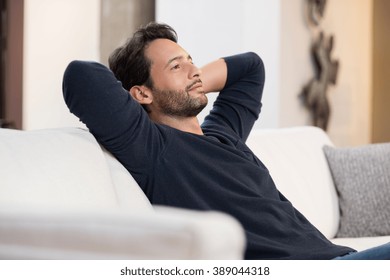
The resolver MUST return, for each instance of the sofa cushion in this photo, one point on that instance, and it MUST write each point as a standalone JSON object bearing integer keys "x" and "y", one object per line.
{"x": 298, "y": 166}
{"x": 361, "y": 243}
{"x": 129, "y": 195}
{"x": 362, "y": 178}
{"x": 54, "y": 168}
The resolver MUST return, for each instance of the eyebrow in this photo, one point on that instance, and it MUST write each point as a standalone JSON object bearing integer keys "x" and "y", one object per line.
{"x": 177, "y": 58}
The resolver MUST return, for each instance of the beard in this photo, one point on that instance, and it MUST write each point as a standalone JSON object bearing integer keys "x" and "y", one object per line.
{"x": 179, "y": 103}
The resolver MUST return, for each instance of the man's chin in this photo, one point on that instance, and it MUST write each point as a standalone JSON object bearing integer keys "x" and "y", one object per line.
{"x": 201, "y": 108}
{"x": 195, "y": 110}
{"x": 204, "y": 103}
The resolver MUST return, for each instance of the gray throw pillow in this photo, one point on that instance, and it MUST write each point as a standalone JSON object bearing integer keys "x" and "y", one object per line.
{"x": 362, "y": 179}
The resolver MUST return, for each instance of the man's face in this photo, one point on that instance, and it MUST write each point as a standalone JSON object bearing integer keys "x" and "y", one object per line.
{"x": 177, "y": 86}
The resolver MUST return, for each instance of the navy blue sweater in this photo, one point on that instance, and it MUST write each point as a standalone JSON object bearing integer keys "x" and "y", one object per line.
{"x": 214, "y": 171}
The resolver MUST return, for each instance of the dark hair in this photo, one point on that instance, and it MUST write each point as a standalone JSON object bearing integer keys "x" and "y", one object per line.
{"x": 129, "y": 63}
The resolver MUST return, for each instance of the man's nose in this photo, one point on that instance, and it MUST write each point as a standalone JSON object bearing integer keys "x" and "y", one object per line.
{"x": 195, "y": 71}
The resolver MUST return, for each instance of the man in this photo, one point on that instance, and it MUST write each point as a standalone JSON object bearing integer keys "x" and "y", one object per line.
{"x": 150, "y": 124}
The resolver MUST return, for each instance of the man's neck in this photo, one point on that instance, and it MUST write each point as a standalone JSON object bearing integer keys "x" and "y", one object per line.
{"x": 186, "y": 124}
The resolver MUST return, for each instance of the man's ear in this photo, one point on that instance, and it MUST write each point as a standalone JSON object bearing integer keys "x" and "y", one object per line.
{"x": 141, "y": 94}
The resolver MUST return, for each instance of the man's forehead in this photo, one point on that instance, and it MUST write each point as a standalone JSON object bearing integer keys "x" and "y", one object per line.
{"x": 165, "y": 51}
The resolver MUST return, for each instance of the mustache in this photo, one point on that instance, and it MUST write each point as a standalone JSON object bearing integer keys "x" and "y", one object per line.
{"x": 193, "y": 83}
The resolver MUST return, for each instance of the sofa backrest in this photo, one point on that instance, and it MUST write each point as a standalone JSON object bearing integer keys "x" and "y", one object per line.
{"x": 128, "y": 193}
{"x": 63, "y": 169}
{"x": 299, "y": 168}
{"x": 66, "y": 169}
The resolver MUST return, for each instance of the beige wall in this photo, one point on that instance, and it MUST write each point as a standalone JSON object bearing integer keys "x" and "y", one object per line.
{"x": 295, "y": 62}
{"x": 55, "y": 32}
{"x": 59, "y": 31}
{"x": 119, "y": 19}
{"x": 381, "y": 72}
{"x": 350, "y": 22}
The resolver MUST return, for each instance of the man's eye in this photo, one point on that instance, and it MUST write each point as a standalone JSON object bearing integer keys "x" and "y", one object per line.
{"x": 177, "y": 66}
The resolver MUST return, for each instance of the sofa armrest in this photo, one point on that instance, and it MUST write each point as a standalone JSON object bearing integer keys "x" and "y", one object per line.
{"x": 168, "y": 234}
{"x": 215, "y": 235}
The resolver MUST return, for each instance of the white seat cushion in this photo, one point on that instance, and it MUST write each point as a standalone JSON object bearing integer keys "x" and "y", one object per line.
{"x": 362, "y": 243}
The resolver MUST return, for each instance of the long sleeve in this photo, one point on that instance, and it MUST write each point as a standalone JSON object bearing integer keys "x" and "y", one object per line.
{"x": 238, "y": 104}
{"x": 118, "y": 122}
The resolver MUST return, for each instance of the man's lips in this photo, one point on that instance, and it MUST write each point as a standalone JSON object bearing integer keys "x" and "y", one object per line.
{"x": 195, "y": 85}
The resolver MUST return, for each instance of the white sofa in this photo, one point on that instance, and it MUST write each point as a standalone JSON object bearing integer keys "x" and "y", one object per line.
{"x": 64, "y": 197}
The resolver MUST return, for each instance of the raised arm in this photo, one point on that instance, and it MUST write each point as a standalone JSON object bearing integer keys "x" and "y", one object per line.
{"x": 214, "y": 75}
{"x": 239, "y": 102}
{"x": 93, "y": 94}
